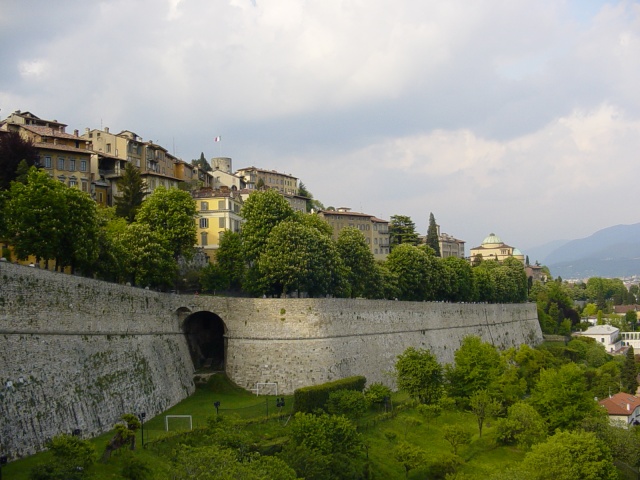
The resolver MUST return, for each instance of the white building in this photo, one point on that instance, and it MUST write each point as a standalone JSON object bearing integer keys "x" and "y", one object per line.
{"x": 606, "y": 335}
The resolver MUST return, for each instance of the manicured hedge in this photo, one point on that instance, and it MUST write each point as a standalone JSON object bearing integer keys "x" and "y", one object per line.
{"x": 308, "y": 399}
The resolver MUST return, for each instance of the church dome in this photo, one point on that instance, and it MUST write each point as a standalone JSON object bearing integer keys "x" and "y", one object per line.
{"x": 492, "y": 239}
{"x": 517, "y": 253}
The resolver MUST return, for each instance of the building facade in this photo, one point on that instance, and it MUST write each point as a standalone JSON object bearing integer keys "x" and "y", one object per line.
{"x": 254, "y": 178}
{"x": 375, "y": 230}
{"x": 218, "y": 210}
{"x": 493, "y": 248}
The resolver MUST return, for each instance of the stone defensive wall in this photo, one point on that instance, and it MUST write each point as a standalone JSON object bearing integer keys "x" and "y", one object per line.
{"x": 77, "y": 353}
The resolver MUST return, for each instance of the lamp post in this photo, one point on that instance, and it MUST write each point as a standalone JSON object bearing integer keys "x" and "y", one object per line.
{"x": 141, "y": 416}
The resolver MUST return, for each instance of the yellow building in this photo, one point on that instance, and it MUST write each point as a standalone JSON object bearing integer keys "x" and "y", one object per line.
{"x": 218, "y": 210}
{"x": 375, "y": 230}
{"x": 493, "y": 248}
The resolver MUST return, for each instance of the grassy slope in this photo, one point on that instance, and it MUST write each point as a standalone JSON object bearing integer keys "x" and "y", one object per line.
{"x": 481, "y": 456}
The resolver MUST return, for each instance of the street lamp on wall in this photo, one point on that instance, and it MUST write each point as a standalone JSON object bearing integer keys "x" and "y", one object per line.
{"x": 142, "y": 416}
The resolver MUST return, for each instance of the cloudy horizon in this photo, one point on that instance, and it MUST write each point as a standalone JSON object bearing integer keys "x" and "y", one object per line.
{"x": 509, "y": 117}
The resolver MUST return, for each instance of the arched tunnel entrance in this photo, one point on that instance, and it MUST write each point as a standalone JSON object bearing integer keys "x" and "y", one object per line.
{"x": 205, "y": 335}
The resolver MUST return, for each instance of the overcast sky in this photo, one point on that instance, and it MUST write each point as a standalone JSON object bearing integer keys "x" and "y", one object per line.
{"x": 520, "y": 118}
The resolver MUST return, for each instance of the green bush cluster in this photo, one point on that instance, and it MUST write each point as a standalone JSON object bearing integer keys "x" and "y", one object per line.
{"x": 308, "y": 399}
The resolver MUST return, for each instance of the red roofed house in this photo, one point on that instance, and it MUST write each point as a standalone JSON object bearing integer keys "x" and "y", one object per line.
{"x": 623, "y": 409}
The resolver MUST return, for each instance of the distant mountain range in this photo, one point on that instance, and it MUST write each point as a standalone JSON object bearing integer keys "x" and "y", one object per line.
{"x": 613, "y": 252}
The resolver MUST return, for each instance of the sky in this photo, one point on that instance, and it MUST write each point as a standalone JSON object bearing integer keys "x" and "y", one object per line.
{"x": 511, "y": 117}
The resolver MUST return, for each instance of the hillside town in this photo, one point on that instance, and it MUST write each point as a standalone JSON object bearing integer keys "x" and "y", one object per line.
{"x": 95, "y": 159}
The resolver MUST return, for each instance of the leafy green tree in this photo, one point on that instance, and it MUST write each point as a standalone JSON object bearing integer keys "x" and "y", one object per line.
{"x": 483, "y": 283}
{"x": 35, "y": 214}
{"x": 262, "y": 211}
{"x": 131, "y": 192}
{"x": 419, "y": 373}
{"x": 604, "y": 380}
{"x": 300, "y": 258}
{"x": 562, "y": 398}
{"x": 145, "y": 256}
{"x": 350, "y": 403}
{"x": 523, "y": 426}
{"x": 429, "y": 412}
{"x": 324, "y": 447}
{"x": 631, "y": 318}
{"x": 409, "y": 456}
{"x": 377, "y": 393}
{"x": 72, "y": 459}
{"x": 229, "y": 257}
{"x": 460, "y": 288}
{"x": 171, "y": 213}
{"x": 483, "y": 407}
{"x": 414, "y": 270}
{"x": 457, "y": 436}
{"x": 402, "y": 230}
{"x": 312, "y": 203}
{"x": 314, "y": 221}
{"x": 629, "y": 373}
{"x": 570, "y": 456}
{"x": 13, "y": 150}
{"x": 356, "y": 256}
{"x": 476, "y": 367}
{"x": 432, "y": 235}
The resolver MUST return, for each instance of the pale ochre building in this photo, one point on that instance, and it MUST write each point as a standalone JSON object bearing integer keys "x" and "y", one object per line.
{"x": 253, "y": 177}
{"x": 493, "y": 248}
{"x": 218, "y": 210}
{"x": 375, "y": 230}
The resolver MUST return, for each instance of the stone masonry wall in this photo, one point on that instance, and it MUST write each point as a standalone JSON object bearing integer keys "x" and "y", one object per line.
{"x": 78, "y": 353}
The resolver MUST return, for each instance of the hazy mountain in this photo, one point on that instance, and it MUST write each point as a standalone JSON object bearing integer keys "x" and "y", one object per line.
{"x": 540, "y": 253}
{"x": 611, "y": 252}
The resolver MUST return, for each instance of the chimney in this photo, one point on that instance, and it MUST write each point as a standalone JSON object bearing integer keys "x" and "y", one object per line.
{"x": 76, "y": 133}
{"x": 87, "y": 130}
{"x": 106, "y": 129}
{"x": 628, "y": 407}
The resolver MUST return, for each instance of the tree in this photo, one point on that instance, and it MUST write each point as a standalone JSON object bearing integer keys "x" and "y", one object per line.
{"x": 262, "y": 211}
{"x": 419, "y": 374}
{"x": 72, "y": 459}
{"x": 413, "y": 269}
{"x": 230, "y": 259}
{"x": 409, "y": 456}
{"x": 483, "y": 407}
{"x": 171, "y": 213}
{"x": 570, "y": 456}
{"x": 312, "y": 203}
{"x": 356, "y": 256}
{"x": 402, "y": 230}
{"x": 477, "y": 365}
{"x": 300, "y": 258}
{"x": 631, "y": 318}
{"x": 457, "y": 436}
{"x": 144, "y": 256}
{"x": 429, "y": 412}
{"x": 562, "y": 398}
{"x": 131, "y": 192}
{"x": 460, "y": 287}
{"x": 350, "y": 403}
{"x": 202, "y": 163}
{"x": 13, "y": 150}
{"x": 35, "y": 214}
{"x": 125, "y": 434}
{"x": 629, "y": 373}
{"x": 523, "y": 426}
{"x": 432, "y": 235}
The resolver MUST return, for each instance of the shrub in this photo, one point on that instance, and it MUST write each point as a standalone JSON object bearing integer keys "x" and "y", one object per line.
{"x": 350, "y": 403}
{"x": 308, "y": 399}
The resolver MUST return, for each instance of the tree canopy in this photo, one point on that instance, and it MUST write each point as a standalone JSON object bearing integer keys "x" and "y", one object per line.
{"x": 13, "y": 150}
{"x": 402, "y": 230}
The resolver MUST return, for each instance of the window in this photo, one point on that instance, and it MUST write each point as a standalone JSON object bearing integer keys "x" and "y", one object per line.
{"x": 108, "y": 148}
{"x": 220, "y": 204}
{"x": 204, "y": 206}
{"x": 73, "y": 182}
{"x": 203, "y": 239}
{"x": 60, "y": 163}
{"x": 83, "y": 165}
{"x": 47, "y": 162}
{"x": 72, "y": 164}
{"x": 100, "y": 197}
{"x": 204, "y": 223}
{"x": 85, "y": 187}
{"x": 221, "y": 222}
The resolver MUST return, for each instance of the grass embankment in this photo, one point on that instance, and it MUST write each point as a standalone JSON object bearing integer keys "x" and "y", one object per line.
{"x": 481, "y": 457}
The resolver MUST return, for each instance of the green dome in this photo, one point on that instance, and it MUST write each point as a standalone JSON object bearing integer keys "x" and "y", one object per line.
{"x": 492, "y": 239}
{"x": 517, "y": 253}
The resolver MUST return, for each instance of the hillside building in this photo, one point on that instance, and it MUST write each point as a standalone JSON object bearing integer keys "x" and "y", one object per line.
{"x": 375, "y": 230}
{"x": 493, "y": 248}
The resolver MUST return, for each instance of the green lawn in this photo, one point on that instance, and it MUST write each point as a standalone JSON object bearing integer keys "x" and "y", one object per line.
{"x": 481, "y": 457}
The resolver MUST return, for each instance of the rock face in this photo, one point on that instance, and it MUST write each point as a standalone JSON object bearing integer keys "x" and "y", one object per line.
{"x": 78, "y": 353}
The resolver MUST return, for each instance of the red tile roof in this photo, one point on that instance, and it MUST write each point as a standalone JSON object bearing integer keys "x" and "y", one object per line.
{"x": 51, "y": 132}
{"x": 620, "y": 404}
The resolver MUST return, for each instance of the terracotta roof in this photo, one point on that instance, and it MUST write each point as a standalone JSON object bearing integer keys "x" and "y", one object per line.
{"x": 620, "y": 404}
{"x": 51, "y": 132}
{"x": 378, "y": 220}
{"x": 624, "y": 308}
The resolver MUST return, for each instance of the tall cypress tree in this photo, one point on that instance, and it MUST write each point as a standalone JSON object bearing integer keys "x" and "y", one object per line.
{"x": 629, "y": 373}
{"x": 432, "y": 235}
{"x": 132, "y": 190}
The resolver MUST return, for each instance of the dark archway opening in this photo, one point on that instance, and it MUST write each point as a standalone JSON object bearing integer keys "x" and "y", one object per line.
{"x": 207, "y": 344}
